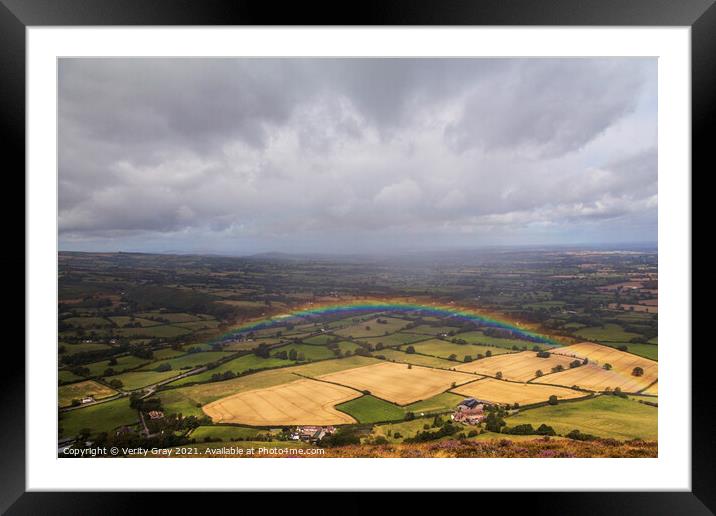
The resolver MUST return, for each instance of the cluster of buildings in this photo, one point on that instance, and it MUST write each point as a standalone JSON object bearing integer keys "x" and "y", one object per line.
{"x": 312, "y": 434}
{"x": 469, "y": 411}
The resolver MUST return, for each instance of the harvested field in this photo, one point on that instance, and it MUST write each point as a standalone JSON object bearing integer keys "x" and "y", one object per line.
{"x": 397, "y": 383}
{"x": 622, "y": 363}
{"x": 594, "y": 378}
{"x": 654, "y": 389}
{"x": 518, "y": 367}
{"x": 498, "y": 391}
{"x": 303, "y": 402}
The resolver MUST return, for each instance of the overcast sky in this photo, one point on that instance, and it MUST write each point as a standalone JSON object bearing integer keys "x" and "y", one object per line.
{"x": 240, "y": 156}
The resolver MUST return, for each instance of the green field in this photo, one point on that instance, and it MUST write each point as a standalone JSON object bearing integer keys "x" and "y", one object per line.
{"x": 347, "y": 345}
{"x": 237, "y": 365}
{"x": 404, "y": 428}
{"x": 319, "y": 339}
{"x": 608, "y": 333}
{"x": 226, "y": 433}
{"x": 650, "y": 351}
{"x": 198, "y": 325}
{"x": 153, "y": 331}
{"x": 396, "y": 339}
{"x": 189, "y": 360}
{"x": 102, "y": 417}
{"x": 603, "y": 416}
{"x": 371, "y": 328}
{"x": 443, "y": 349}
{"x": 309, "y": 351}
{"x": 71, "y": 349}
{"x": 432, "y": 330}
{"x": 65, "y": 376}
{"x": 414, "y": 358}
{"x": 477, "y": 337}
{"x": 138, "y": 379}
{"x": 164, "y": 353}
{"x": 443, "y": 402}
{"x": 369, "y": 409}
{"x": 173, "y": 317}
{"x": 87, "y": 322}
{"x": 121, "y": 320}
{"x": 123, "y": 363}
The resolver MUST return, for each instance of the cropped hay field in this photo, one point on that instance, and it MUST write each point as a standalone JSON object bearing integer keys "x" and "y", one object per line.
{"x": 187, "y": 399}
{"x": 622, "y": 364}
{"x": 79, "y": 390}
{"x": 498, "y": 391}
{"x": 518, "y": 367}
{"x": 398, "y": 383}
{"x": 302, "y": 402}
{"x": 595, "y": 378}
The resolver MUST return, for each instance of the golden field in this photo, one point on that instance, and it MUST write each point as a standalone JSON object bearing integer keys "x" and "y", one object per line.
{"x": 397, "y": 383}
{"x": 519, "y": 367}
{"x": 498, "y": 391}
{"x": 302, "y": 402}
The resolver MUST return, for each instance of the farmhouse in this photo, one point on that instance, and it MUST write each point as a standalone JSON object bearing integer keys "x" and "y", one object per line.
{"x": 312, "y": 433}
{"x": 87, "y": 399}
{"x": 155, "y": 414}
{"x": 469, "y": 411}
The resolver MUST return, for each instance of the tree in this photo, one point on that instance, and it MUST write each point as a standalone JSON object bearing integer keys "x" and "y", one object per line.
{"x": 498, "y": 375}
{"x": 467, "y": 358}
{"x": 410, "y": 366}
{"x": 166, "y": 366}
{"x": 575, "y": 363}
{"x": 488, "y": 353}
{"x": 552, "y": 400}
{"x": 538, "y": 373}
{"x": 607, "y": 367}
{"x": 637, "y": 371}
{"x": 410, "y": 349}
{"x": 116, "y": 384}
{"x": 453, "y": 357}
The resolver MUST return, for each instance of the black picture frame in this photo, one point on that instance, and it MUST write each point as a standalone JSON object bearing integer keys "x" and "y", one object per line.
{"x": 17, "y": 15}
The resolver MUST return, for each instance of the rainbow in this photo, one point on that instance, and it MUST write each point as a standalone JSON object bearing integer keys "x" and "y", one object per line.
{"x": 358, "y": 307}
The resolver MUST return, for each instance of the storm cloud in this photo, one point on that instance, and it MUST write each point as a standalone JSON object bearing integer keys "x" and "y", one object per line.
{"x": 249, "y": 155}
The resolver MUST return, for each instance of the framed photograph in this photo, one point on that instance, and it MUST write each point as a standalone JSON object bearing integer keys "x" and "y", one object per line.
{"x": 418, "y": 249}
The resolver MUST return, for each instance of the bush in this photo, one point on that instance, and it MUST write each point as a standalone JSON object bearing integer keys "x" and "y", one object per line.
{"x": 526, "y": 429}
{"x": 579, "y": 436}
{"x": 545, "y": 430}
{"x": 553, "y": 400}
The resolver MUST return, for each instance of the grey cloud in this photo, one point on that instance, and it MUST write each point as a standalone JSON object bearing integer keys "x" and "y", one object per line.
{"x": 276, "y": 153}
